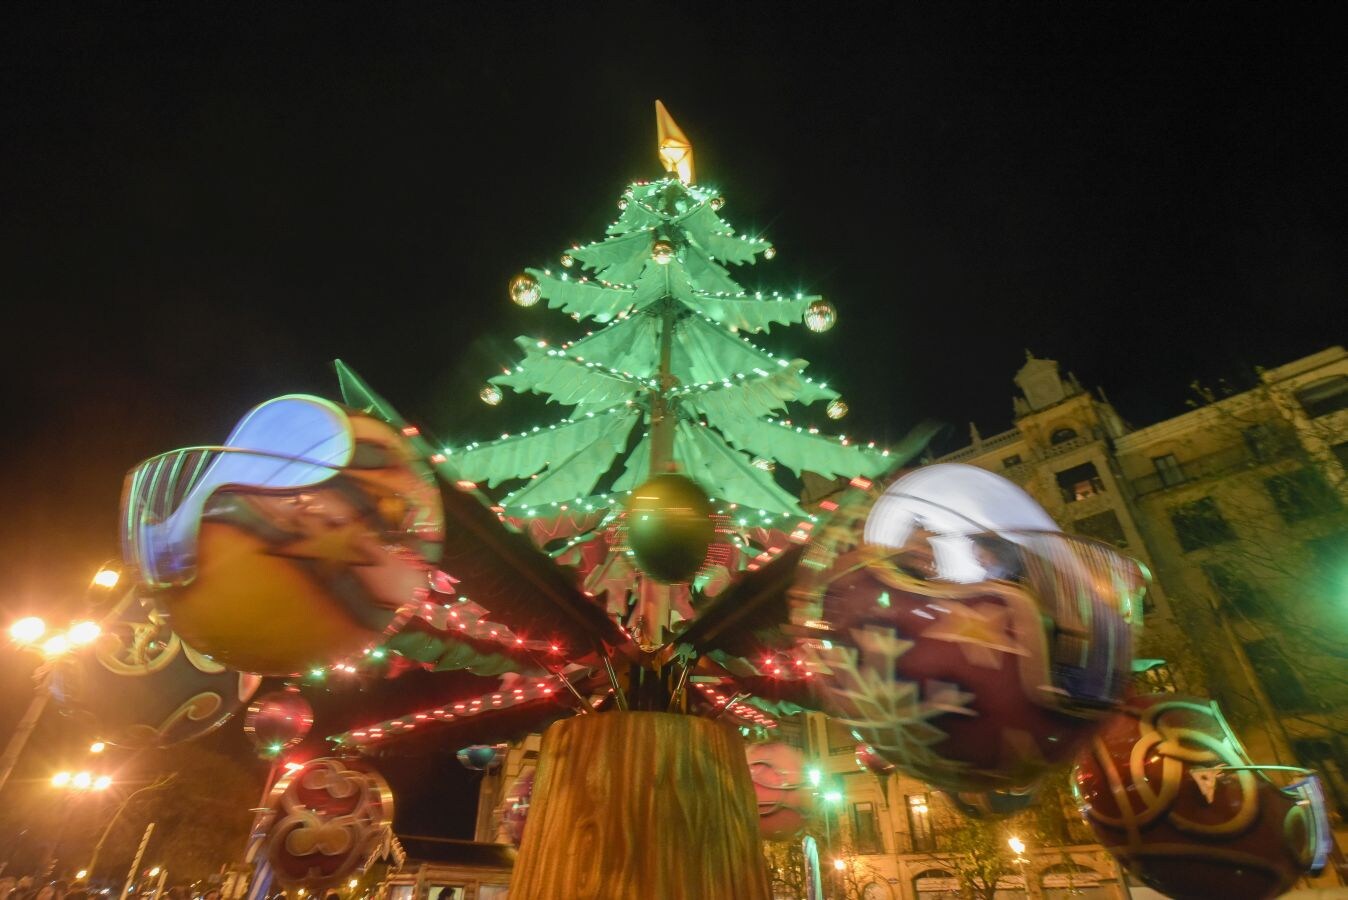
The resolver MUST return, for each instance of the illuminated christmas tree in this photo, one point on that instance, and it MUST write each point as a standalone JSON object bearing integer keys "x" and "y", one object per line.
{"x": 666, "y": 382}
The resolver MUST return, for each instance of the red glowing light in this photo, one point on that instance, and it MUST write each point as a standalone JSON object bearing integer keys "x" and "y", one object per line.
{"x": 411, "y": 431}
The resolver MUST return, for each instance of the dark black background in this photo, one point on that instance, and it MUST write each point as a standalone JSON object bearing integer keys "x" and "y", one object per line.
{"x": 201, "y": 205}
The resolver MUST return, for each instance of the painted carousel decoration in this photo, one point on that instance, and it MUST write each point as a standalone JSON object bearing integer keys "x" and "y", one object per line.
{"x": 326, "y": 820}
{"x": 297, "y": 543}
{"x": 960, "y": 633}
{"x": 514, "y": 811}
{"x": 140, "y": 686}
{"x": 637, "y": 579}
{"x": 785, "y": 795}
{"x": 1169, "y": 790}
{"x": 277, "y": 721}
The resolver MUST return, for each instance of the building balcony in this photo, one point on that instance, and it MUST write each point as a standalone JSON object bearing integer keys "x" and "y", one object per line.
{"x": 987, "y": 445}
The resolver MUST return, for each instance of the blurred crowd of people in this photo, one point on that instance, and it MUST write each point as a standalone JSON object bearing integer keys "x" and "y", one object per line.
{"x": 28, "y": 888}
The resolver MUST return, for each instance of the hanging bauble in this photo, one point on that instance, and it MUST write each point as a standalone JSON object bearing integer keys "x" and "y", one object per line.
{"x": 327, "y": 821}
{"x": 277, "y": 721}
{"x": 934, "y": 617}
{"x": 524, "y": 290}
{"x": 669, "y": 527}
{"x": 1153, "y": 793}
{"x": 568, "y": 260}
{"x": 622, "y": 203}
{"x": 662, "y": 252}
{"x": 873, "y": 762}
{"x": 785, "y": 796}
{"x": 297, "y": 545}
{"x": 490, "y": 395}
{"x": 992, "y": 805}
{"x": 515, "y": 806}
{"x": 717, "y": 203}
{"x": 770, "y": 252}
{"x": 836, "y": 409}
{"x": 820, "y": 316}
{"x": 762, "y": 462}
{"x": 138, "y": 685}
{"x": 480, "y": 757}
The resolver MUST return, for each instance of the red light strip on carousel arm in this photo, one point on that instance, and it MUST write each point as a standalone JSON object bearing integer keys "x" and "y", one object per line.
{"x": 512, "y": 693}
{"x": 737, "y": 708}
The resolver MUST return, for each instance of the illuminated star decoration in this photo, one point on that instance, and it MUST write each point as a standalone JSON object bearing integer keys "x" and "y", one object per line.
{"x": 676, "y": 151}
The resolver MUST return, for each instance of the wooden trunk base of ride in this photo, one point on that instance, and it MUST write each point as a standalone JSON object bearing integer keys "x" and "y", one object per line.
{"x": 641, "y": 806}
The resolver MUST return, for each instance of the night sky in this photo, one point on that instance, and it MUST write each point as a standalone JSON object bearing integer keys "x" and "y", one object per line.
{"x": 201, "y": 206}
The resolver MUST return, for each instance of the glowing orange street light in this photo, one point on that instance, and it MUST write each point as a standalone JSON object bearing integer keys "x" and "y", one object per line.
{"x": 60, "y": 779}
{"x": 107, "y": 578}
{"x": 83, "y": 633}
{"x": 27, "y": 630}
{"x": 56, "y": 645}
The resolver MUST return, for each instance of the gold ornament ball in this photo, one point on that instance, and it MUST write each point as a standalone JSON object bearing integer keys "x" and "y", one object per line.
{"x": 837, "y": 409}
{"x": 568, "y": 260}
{"x": 490, "y": 395}
{"x": 770, "y": 252}
{"x": 820, "y": 316}
{"x": 669, "y": 527}
{"x": 524, "y": 290}
{"x": 662, "y": 252}
{"x": 717, "y": 203}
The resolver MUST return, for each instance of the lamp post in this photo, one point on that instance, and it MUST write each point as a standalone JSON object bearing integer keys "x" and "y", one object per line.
{"x": 26, "y": 633}
{"x": 76, "y": 785}
{"x": 121, "y": 807}
{"x": 1018, "y": 847}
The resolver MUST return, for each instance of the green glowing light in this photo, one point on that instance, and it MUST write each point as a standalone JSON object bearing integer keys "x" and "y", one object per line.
{"x": 833, "y": 796}
{"x": 814, "y": 775}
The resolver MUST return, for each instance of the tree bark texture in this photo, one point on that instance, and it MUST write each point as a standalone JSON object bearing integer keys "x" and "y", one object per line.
{"x": 645, "y": 805}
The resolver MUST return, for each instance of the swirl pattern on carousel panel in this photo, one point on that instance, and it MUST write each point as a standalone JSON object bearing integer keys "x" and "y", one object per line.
{"x": 327, "y": 821}
{"x": 298, "y": 543}
{"x": 140, "y": 686}
{"x": 960, "y": 633}
{"x": 1152, "y": 790}
{"x": 785, "y": 796}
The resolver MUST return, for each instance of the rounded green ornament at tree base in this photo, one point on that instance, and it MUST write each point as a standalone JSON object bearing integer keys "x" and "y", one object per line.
{"x": 669, "y": 527}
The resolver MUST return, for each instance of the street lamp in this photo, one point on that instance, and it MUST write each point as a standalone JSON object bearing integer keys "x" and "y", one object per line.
{"x": 56, "y": 645}
{"x": 82, "y": 633}
{"x": 1018, "y": 847}
{"x": 27, "y": 630}
{"x": 107, "y": 577}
